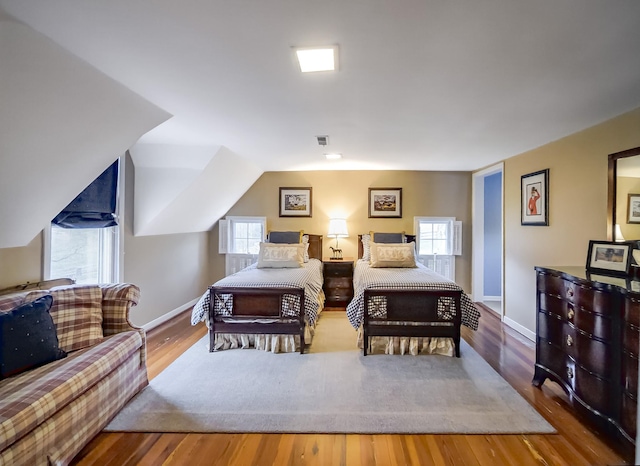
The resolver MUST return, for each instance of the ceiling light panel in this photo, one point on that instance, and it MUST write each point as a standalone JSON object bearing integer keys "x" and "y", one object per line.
{"x": 313, "y": 59}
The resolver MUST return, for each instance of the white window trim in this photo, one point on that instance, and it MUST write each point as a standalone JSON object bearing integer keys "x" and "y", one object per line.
{"x": 236, "y": 261}
{"x": 450, "y": 258}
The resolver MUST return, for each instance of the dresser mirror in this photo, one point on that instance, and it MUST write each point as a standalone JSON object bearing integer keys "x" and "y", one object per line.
{"x": 623, "y": 221}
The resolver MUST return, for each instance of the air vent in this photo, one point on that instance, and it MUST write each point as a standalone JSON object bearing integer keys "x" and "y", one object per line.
{"x": 322, "y": 140}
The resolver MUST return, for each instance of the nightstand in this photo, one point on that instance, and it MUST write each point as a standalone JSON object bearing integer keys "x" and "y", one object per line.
{"x": 338, "y": 282}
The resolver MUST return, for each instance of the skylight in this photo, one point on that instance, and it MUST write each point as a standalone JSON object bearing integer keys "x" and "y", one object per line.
{"x": 313, "y": 59}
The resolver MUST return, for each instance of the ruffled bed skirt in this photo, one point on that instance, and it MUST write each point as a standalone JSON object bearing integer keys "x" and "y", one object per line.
{"x": 408, "y": 345}
{"x": 264, "y": 342}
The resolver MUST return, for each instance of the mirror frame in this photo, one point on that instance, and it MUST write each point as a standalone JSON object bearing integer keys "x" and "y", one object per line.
{"x": 612, "y": 174}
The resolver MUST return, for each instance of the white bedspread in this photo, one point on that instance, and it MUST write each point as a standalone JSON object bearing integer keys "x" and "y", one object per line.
{"x": 367, "y": 277}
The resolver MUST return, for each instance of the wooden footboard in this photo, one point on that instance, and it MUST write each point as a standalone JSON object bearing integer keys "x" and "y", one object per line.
{"x": 412, "y": 313}
{"x": 245, "y": 306}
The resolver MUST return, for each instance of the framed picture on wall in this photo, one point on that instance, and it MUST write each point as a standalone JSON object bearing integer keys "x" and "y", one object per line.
{"x": 534, "y": 194}
{"x": 295, "y": 202}
{"x": 385, "y": 202}
{"x": 609, "y": 257}
{"x": 633, "y": 208}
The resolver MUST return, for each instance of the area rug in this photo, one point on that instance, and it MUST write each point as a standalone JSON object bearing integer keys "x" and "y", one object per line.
{"x": 332, "y": 389}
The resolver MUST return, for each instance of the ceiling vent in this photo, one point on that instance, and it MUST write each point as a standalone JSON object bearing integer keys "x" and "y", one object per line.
{"x": 322, "y": 140}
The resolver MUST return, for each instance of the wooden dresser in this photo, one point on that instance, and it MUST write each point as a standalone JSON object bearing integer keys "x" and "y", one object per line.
{"x": 338, "y": 282}
{"x": 588, "y": 329}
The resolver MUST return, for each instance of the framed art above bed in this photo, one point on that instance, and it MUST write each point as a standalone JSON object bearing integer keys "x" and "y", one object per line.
{"x": 295, "y": 202}
{"x": 385, "y": 202}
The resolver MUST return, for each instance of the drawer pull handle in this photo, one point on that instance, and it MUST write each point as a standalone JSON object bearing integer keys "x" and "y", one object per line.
{"x": 569, "y": 372}
{"x": 571, "y": 314}
{"x": 569, "y": 340}
{"x": 570, "y": 292}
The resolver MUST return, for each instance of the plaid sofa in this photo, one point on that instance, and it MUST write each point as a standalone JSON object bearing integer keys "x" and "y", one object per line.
{"x": 48, "y": 414}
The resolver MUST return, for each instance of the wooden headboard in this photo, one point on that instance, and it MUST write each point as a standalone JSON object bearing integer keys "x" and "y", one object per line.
{"x": 315, "y": 246}
{"x": 410, "y": 238}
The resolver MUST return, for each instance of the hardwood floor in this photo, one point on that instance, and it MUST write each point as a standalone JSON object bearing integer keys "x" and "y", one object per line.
{"x": 509, "y": 353}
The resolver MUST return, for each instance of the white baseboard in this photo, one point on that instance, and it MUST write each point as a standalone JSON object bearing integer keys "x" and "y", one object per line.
{"x": 520, "y": 329}
{"x": 169, "y": 315}
{"x": 492, "y": 298}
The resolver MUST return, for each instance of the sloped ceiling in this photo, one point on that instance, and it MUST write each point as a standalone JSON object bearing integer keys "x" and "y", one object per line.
{"x": 62, "y": 122}
{"x": 181, "y": 189}
{"x": 421, "y": 85}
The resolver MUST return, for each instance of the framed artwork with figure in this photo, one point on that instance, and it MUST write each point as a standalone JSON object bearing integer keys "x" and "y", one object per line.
{"x": 534, "y": 193}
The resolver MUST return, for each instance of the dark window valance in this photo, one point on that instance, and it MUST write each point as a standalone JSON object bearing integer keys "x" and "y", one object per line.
{"x": 95, "y": 207}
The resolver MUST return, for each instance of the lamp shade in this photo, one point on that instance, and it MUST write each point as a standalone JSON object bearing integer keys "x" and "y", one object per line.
{"x": 618, "y": 231}
{"x": 338, "y": 228}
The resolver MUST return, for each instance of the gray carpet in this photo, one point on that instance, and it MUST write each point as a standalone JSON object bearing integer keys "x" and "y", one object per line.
{"x": 333, "y": 389}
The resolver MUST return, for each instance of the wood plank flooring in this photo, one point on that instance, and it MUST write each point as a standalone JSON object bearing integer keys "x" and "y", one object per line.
{"x": 509, "y": 353}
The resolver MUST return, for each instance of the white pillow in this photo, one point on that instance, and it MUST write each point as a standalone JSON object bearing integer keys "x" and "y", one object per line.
{"x": 392, "y": 254}
{"x": 279, "y": 256}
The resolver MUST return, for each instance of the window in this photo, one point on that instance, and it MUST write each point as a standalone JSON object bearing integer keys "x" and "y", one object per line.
{"x": 88, "y": 255}
{"x": 246, "y": 234}
{"x": 239, "y": 239}
{"x": 83, "y": 242}
{"x": 438, "y": 241}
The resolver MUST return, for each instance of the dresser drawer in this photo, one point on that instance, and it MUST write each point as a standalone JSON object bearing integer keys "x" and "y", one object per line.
{"x": 630, "y": 339}
{"x": 552, "y": 285}
{"x": 594, "y": 355}
{"x": 594, "y": 324}
{"x": 629, "y": 415}
{"x": 580, "y": 295}
{"x": 592, "y": 390}
{"x": 338, "y": 295}
{"x": 338, "y": 270}
{"x": 338, "y": 282}
{"x": 593, "y": 300}
{"x": 632, "y": 311}
{"x": 629, "y": 375}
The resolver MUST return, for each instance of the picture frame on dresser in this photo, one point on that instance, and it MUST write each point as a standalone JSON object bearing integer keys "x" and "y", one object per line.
{"x": 609, "y": 257}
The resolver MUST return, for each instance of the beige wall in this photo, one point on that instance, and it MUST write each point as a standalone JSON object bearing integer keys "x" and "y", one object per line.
{"x": 21, "y": 265}
{"x": 577, "y": 207}
{"x": 345, "y": 194}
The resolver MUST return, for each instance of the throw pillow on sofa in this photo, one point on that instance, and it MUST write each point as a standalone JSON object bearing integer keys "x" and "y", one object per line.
{"x": 77, "y": 314}
{"x": 28, "y": 337}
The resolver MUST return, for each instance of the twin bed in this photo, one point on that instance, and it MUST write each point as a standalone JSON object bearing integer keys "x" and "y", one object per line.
{"x": 399, "y": 305}
{"x": 269, "y": 306}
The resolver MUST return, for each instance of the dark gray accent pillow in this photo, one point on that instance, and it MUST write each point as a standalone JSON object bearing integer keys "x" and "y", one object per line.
{"x": 285, "y": 237}
{"x": 387, "y": 237}
{"x": 28, "y": 337}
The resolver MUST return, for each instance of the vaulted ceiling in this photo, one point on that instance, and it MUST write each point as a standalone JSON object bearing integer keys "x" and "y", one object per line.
{"x": 197, "y": 87}
{"x": 422, "y": 84}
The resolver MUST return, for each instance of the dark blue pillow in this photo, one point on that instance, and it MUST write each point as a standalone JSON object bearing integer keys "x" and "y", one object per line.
{"x": 285, "y": 237}
{"x": 387, "y": 237}
{"x": 28, "y": 337}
